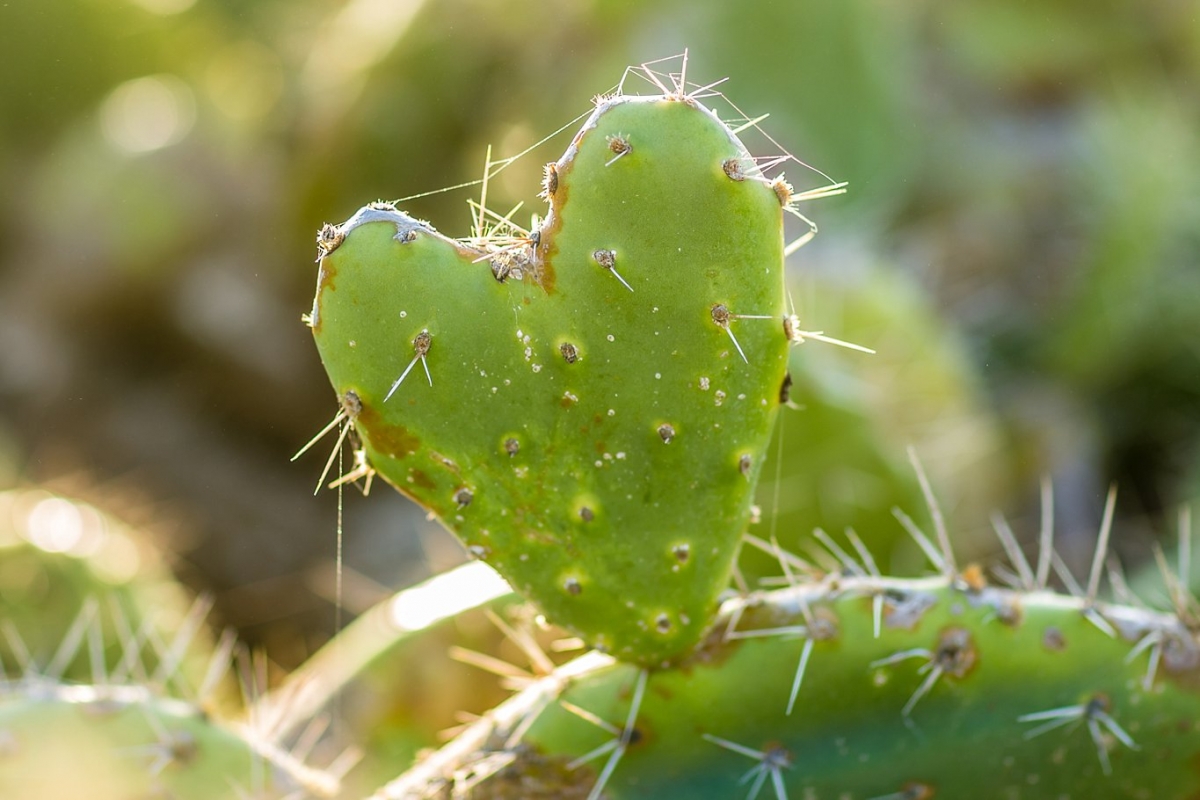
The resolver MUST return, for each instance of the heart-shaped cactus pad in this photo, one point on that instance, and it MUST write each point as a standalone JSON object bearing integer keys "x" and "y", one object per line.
{"x": 586, "y": 407}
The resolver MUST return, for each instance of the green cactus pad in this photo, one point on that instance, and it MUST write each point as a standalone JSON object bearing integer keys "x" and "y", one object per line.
{"x": 123, "y": 742}
{"x": 588, "y": 409}
{"x": 911, "y": 689}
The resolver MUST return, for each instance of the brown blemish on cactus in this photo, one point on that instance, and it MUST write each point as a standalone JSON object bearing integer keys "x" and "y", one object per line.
{"x": 914, "y": 790}
{"x": 1181, "y": 659}
{"x": 448, "y": 463}
{"x": 666, "y": 432}
{"x": 1010, "y": 612}
{"x": 782, "y": 190}
{"x": 549, "y": 181}
{"x": 419, "y": 478}
{"x": 825, "y": 625}
{"x": 744, "y": 464}
{"x": 515, "y": 263}
{"x": 608, "y": 260}
{"x": 956, "y": 654}
{"x": 721, "y": 317}
{"x": 568, "y": 399}
{"x": 585, "y": 507}
{"x": 512, "y": 446}
{"x": 569, "y": 352}
{"x": 785, "y": 389}
{"x": 682, "y": 552}
{"x": 662, "y": 623}
{"x": 463, "y": 497}
{"x": 501, "y": 269}
{"x": 572, "y": 586}
{"x": 351, "y": 404}
{"x": 1053, "y": 639}
{"x": 544, "y": 250}
{"x": 182, "y": 748}
{"x": 619, "y": 145}
{"x": 390, "y": 439}
{"x": 421, "y": 343}
{"x": 791, "y": 328}
{"x": 328, "y": 239}
{"x": 326, "y": 277}
{"x": 974, "y": 579}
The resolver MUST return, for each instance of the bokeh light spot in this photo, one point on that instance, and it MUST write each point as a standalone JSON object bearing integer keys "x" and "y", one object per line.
{"x": 119, "y": 561}
{"x": 244, "y": 80}
{"x": 55, "y": 525}
{"x": 148, "y": 113}
{"x": 164, "y": 7}
{"x": 446, "y": 595}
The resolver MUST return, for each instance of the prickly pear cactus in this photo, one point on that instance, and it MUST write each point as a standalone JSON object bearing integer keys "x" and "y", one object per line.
{"x": 68, "y": 567}
{"x": 121, "y": 742}
{"x": 862, "y": 688}
{"x": 587, "y": 407}
{"x": 434, "y": 637}
{"x": 132, "y": 698}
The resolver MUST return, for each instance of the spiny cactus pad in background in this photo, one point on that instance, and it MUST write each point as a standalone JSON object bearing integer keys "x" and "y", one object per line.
{"x": 67, "y": 566}
{"x": 592, "y": 403}
{"x": 897, "y": 689}
{"x": 147, "y": 722}
{"x": 402, "y": 673}
{"x": 123, "y": 742}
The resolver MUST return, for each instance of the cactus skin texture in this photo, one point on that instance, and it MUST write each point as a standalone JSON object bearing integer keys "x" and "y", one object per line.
{"x": 956, "y": 697}
{"x": 594, "y": 431}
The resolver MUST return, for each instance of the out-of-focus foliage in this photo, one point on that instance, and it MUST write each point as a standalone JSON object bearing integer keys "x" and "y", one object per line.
{"x": 1024, "y": 172}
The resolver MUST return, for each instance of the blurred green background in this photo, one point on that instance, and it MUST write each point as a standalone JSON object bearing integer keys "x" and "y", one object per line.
{"x": 1019, "y": 243}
